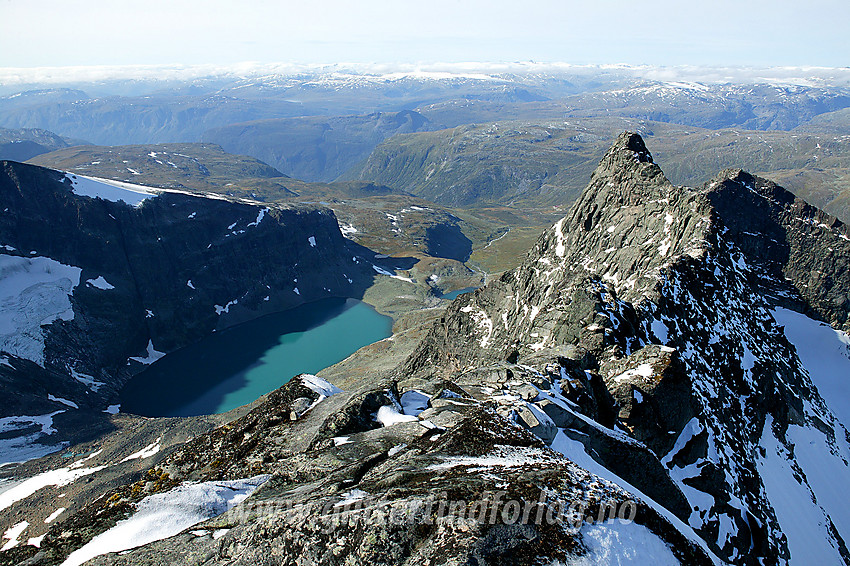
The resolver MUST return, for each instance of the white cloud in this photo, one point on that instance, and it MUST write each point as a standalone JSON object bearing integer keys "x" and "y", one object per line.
{"x": 811, "y": 76}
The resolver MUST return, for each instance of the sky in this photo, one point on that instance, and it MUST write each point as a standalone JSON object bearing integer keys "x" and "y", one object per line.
{"x": 58, "y": 33}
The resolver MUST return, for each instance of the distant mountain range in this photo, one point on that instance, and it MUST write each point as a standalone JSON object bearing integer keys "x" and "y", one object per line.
{"x": 514, "y": 135}
{"x": 316, "y": 148}
{"x": 23, "y": 144}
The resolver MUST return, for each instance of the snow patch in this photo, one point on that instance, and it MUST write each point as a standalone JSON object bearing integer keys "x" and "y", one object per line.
{"x": 86, "y": 380}
{"x": 389, "y": 416}
{"x": 12, "y": 535}
{"x": 825, "y": 354}
{"x": 347, "y": 229}
{"x": 164, "y": 515}
{"x": 26, "y": 445}
{"x": 501, "y": 457}
{"x": 56, "y": 478}
{"x": 350, "y": 497}
{"x": 560, "y": 245}
{"x": 146, "y": 452}
{"x": 55, "y": 515}
{"x": 34, "y": 292}
{"x": 260, "y": 216}
{"x": 618, "y": 543}
{"x": 151, "y": 356}
{"x": 226, "y": 308}
{"x": 114, "y": 191}
{"x": 318, "y": 385}
{"x": 383, "y": 271}
{"x": 36, "y": 541}
{"x": 643, "y": 370}
{"x": 100, "y": 283}
{"x": 800, "y": 518}
{"x": 414, "y": 402}
{"x": 660, "y": 330}
{"x": 63, "y": 401}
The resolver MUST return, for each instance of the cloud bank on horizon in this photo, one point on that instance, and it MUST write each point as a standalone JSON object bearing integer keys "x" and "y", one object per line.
{"x": 15, "y": 78}
{"x": 762, "y": 33}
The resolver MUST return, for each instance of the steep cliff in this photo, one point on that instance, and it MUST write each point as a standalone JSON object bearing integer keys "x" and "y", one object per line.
{"x": 94, "y": 288}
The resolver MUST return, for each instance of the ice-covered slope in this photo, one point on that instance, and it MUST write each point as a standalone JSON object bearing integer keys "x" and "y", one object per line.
{"x": 106, "y": 189}
{"x": 824, "y": 354}
{"x": 34, "y": 291}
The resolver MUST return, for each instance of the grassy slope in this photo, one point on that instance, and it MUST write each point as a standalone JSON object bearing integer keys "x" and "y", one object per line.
{"x": 315, "y": 148}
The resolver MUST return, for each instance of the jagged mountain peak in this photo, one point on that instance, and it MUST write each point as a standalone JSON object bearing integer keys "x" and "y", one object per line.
{"x": 742, "y": 184}
{"x": 672, "y": 314}
{"x": 628, "y": 156}
{"x": 630, "y": 141}
{"x": 631, "y": 226}
{"x": 798, "y": 246}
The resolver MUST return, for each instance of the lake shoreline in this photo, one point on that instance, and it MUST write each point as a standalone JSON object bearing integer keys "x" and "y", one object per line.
{"x": 238, "y": 365}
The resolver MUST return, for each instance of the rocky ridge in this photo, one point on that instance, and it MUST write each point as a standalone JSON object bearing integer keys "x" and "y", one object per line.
{"x": 660, "y": 303}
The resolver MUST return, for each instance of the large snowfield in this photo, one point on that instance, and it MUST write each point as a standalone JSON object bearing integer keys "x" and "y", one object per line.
{"x": 809, "y": 498}
{"x": 825, "y": 354}
{"x": 618, "y": 543}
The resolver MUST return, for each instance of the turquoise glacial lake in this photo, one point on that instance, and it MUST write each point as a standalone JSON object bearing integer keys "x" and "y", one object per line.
{"x": 236, "y": 366}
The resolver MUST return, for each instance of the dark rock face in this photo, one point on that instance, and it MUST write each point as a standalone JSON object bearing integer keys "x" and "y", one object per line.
{"x": 447, "y": 240}
{"x": 176, "y": 268}
{"x": 787, "y": 239}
